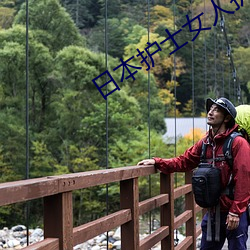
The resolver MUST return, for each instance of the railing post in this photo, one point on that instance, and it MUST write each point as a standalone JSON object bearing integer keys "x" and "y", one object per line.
{"x": 58, "y": 219}
{"x": 190, "y": 205}
{"x": 167, "y": 210}
{"x": 129, "y": 198}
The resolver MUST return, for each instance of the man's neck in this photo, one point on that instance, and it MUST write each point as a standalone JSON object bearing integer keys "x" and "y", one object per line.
{"x": 216, "y": 130}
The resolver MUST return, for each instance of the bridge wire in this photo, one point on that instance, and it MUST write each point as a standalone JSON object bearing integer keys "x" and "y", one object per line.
{"x": 215, "y": 60}
{"x": 222, "y": 45}
{"x": 193, "y": 91}
{"x": 27, "y": 204}
{"x": 107, "y": 110}
{"x": 175, "y": 110}
{"x": 219, "y": 61}
{"x": 236, "y": 82}
{"x": 149, "y": 120}
{"x": 77, "y": 13}
{"x": 205, "y": 51}
{"x": 229, "y": 82}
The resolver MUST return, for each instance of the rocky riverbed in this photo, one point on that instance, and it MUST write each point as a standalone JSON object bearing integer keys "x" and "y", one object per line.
{"x": 16, "y": 238}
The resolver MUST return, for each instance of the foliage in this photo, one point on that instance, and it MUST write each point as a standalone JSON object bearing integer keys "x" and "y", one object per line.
{"x": 71, "y": 127}
{"x": 84, "y": 13}
{"x": 53, "y": 25}
{"x": 6, "y": 17}
{"x": 189, "y": 139}
{"x": 242, "y": 63}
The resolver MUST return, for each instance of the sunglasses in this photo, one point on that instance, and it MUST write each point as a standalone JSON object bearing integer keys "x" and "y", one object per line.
{"x": 221, "y": 102}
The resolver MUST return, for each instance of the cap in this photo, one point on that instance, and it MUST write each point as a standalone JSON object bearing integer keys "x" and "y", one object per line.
{"x": 223, "y": 103}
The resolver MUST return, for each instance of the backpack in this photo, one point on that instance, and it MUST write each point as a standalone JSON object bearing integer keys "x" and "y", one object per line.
{"x": 243, "y": 120}
{"x": 206, "y": 185}
{"x": 206, "y": 179}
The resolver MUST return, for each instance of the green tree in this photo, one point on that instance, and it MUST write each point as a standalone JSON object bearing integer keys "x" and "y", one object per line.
{"x": 12, "y": 101}
{"x": 84, "y": 13}
{"x": 42, "y": 163}
{"x": 242, "y": 64}
{"x": 53, "y": 25}
{"x": 13, "y": 60}
{"x": 6, "y": 17}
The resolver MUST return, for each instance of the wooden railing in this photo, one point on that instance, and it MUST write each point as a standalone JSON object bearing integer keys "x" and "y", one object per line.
{"x": 59, "y": 232}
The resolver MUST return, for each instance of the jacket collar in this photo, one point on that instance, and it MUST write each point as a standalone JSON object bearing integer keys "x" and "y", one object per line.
{"x": 221, "y": 136}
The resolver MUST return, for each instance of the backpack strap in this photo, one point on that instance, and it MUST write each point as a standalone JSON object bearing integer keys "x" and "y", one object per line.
{"x": 227, "y": 151}
{"x": 203, "y": 152}
{"x": 227, "y": 148}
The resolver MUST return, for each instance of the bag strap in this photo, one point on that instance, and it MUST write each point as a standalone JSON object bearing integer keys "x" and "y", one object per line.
{"x": 203, "y": 152}
{"x": 227, "y": 148}
{"x": 227, "y": 151}
{"x": 217, "y": 223}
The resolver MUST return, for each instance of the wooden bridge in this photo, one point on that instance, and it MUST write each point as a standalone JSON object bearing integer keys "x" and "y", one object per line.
{"x": 56, "y": 192}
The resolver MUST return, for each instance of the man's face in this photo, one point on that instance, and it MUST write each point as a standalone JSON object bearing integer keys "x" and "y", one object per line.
{"x": 215, "y": 116}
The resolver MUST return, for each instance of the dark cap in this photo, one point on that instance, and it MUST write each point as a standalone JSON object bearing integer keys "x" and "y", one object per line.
{"x": 223, "y": 103}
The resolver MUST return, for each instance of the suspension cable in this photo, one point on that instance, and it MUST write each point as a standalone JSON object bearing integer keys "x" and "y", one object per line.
{"x": 215, "y": 59}
{"x": 193, "y": 109}
{"x": 175, "y": 109}
{"x": 27, "y": 207}
{"x": 149, "y": 120}
{"x": 230, "y": 56}
{"x": 205, "y": 51}
{"x": 222, "y": 44}
{"x": 107, "y": 110}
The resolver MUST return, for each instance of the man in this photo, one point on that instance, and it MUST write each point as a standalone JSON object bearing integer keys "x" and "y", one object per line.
{"x": 221, "y": 115}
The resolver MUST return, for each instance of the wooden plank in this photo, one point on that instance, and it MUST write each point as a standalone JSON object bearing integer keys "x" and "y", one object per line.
{"x": 185, "y": 244}
{"x": 58, "y": 219}
{"x": 129, "y": 195}
{"x": 98, "y": 177}
{"x": 167, "y": 210}
{"x": 182, "y": 218}
{"x": 198, "y": 231}
{"x": 24, "y": 190}
{"x": 190, "y": 205}
{"x": 198, "y": 209}
{"x": 152, "y": 203}
{"x": 46, "y": 244}
{"x": 178, "y": 192}
{"x": 90, "y": 230}
{"x": 154, "y": 238}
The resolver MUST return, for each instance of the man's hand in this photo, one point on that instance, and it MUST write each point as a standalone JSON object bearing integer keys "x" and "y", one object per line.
{"x": 146, "y": 162}
{"x": 232, "y": 221}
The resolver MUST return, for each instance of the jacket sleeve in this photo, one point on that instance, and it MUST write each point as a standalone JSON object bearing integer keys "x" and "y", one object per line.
{"x": 183, "y": 163}
{"x": 241, "y": 175}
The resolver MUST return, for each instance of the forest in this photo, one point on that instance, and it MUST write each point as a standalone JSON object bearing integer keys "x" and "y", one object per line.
{"x": 71, "y": 127}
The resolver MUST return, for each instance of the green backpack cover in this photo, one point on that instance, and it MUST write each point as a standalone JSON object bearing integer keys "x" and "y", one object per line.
{"x": 243, "y": 119}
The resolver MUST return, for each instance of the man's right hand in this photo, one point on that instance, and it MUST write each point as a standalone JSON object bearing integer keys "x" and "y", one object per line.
{"x": 146, "y": 162}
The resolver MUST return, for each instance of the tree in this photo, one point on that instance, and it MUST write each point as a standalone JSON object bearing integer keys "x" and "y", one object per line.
{"x": 117, "y": 32}
{"x": 161, "y": 73}
{"x": 6, "y": 17}
{"x": 84, "y": 13}
{"x": 40, "y": 60}
{"x": 81, "y": 115}
{"x": 53, "y": 25}
{"x": 242, "y": 64}
{"x": 12, "y": 101}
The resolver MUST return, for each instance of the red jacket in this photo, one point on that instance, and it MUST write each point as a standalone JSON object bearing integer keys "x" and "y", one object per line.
{"x": 241, "y": 167}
